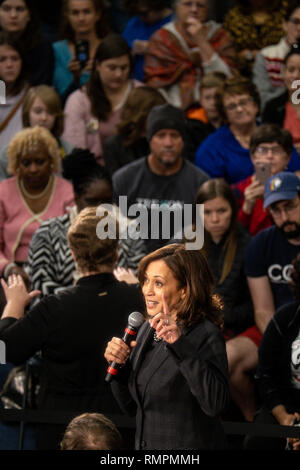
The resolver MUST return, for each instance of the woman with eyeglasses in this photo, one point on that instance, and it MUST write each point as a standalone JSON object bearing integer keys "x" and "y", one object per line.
{"x": 226, "y": 152}
{"x": 285, "y": 109}
{"x": 184, "y": 50}
{"x": 270, "y": 151}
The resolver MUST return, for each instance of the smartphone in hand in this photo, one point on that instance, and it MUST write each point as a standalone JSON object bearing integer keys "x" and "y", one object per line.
{"x": 263, "y": 172}
{"x": 82, "y": 52}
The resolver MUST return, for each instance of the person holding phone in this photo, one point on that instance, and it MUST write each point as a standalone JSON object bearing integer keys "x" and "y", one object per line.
{"x": 270, "y": 152}
{"x": 83, "y": 26}
{"x": 174, "y": 377}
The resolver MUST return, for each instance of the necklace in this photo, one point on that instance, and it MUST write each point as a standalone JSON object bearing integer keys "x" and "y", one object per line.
{"x": 39, "y": 195}
{"x": 156, "y": 338}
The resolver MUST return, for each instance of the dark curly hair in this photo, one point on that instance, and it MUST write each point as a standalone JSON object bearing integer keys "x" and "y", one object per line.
{"x": 81, "y": 168}
{"x": 190, "y": 269}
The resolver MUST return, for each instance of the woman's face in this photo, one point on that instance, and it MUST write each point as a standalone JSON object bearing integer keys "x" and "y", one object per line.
{"x": 240, "y": 109}
{"x": 292, "y": 71}
{"x": 208, "y": 102}
{"x": 35, "y": 169}
{"x": 186, "y": 9}
{"x": 97, "y": 192}
{"x": 114, "y": 72}
{"x": 14, "y": 16}
{"x": 82, "y": 16}
{"x": 39, "y": 115}
{"x": 10, "y": 64}
{"x": 217, "y": 217}
{"x": 159, "y": 280}
{"x": 272, "y": 153}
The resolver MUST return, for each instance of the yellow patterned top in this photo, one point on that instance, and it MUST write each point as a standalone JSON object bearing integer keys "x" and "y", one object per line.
{"x": 246, "y": 34}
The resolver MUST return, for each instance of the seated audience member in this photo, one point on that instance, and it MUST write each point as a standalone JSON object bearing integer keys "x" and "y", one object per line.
{"x": 32, "y": 195}
{"x": 225, "y": 152}
{"x": 278, "y": 373}
{"x": 15, "y": 76}
{"x": 268, "y": 68}
{"x": 163, "y": 177}
{"x": 130, "y": 142}
{"x": 184, "y": 50}
{"x": 50, "y": 263}
{"x": 91, "y": 431}
{"x": 97, "y": 307}
{"x": 284, "y": 110}
{"x": 80, "y": 21}
{"x": 225, "y": 244}
{"x": 147, "y": 17}
{"x": 254, "y": 24}
{"x": 270, "y": 151}
{"x": 203, "y": 117}
{"x": 41, "y": 107}
{"x": 267, "y": 267}
{"x": 93, "y": 112}
{"x": 19, "y": 19}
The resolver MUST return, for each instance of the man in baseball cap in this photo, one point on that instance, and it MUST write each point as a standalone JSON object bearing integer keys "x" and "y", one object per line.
{"x": 268, "y": 267}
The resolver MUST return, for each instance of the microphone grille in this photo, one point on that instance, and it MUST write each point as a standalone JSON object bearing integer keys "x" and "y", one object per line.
{"x": 135, "y": 319}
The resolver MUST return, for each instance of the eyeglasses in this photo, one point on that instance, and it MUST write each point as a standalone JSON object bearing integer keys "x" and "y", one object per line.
{"x": 276, "y": 151}
{"x": 191, "y": 4}
{"x": 288, "y": 208}
{"x": 295, "y": 21}
{"x": 244, "y": 102}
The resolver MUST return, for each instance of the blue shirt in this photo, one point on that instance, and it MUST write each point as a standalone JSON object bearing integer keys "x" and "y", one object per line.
{"x": 62, "y": 77}
{"x": 137, "y": 29}
{"x": 270, "y": 254}
{"x": 221, "y": 155}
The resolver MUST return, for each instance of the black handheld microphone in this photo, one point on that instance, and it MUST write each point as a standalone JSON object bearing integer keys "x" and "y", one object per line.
{"x": 135, "y": 320}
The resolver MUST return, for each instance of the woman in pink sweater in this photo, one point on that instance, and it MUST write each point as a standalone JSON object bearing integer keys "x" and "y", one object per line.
{"x": 93, "y": 112}
{"x": 32, "y": 195}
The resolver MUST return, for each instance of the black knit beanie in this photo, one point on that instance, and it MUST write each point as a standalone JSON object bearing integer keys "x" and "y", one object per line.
{"x": 165, "y": 116}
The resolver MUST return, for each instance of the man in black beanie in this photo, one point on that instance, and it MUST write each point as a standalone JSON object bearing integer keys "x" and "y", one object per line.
{"x": 163, "y": 179}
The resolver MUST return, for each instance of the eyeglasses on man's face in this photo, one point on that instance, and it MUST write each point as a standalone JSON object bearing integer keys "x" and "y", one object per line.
{"x": 288, "y": 208}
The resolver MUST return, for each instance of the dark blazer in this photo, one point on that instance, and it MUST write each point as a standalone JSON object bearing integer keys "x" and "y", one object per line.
{"x": 274, "y": 110}
{"x": 183, "y": 391}
{"x": 71, "y": 329}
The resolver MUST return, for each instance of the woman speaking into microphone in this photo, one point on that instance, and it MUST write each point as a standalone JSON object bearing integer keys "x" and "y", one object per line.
{"x": 175, "y": 374}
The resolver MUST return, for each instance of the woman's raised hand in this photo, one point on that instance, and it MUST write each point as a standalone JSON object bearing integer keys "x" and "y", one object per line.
{"x": 165, "y": 324}
{"x": 17, "y": 296}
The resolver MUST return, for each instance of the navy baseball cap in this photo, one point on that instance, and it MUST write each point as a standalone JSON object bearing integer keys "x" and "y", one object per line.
{"x": 284, "y": 185}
